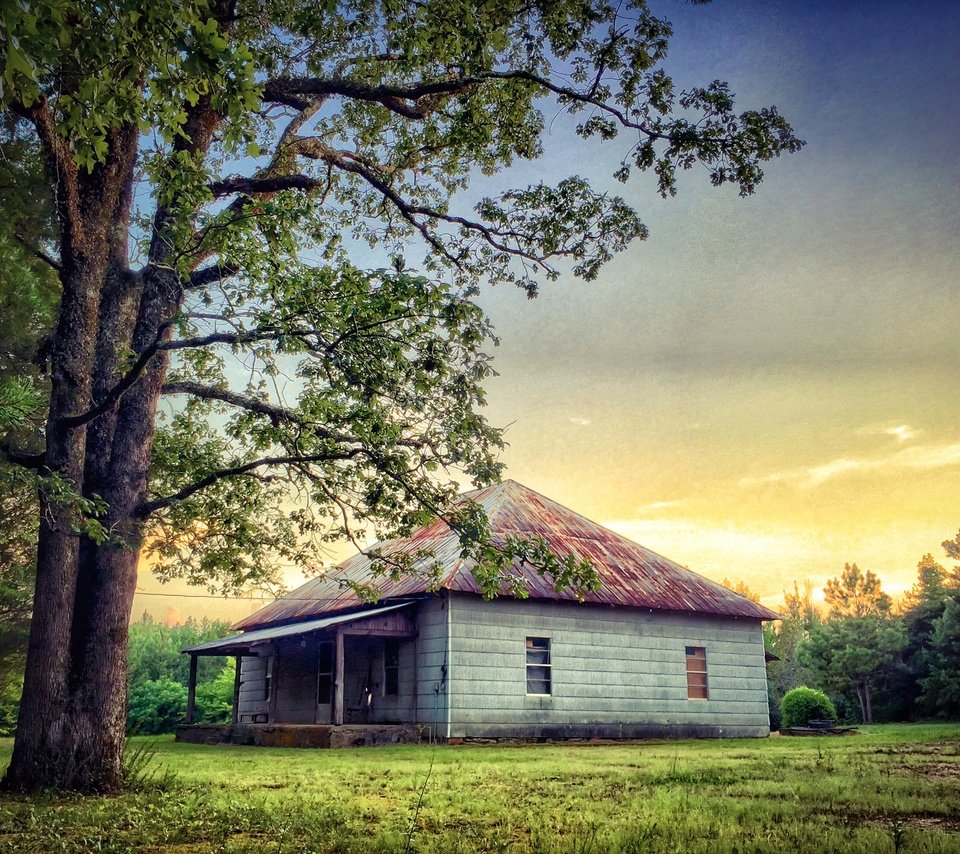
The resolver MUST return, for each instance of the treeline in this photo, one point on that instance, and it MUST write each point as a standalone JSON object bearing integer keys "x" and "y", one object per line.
{"x": 877, "y": 661}
{"x": 157, "y": 678}
{"x": 158, "y": 673}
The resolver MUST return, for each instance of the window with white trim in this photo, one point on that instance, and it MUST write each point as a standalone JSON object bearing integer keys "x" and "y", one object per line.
{"x": 538, "y": 667}
{"x": 696, "y": 673}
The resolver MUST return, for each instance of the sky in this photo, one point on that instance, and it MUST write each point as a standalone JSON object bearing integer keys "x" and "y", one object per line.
{"x": 766, "y": 388}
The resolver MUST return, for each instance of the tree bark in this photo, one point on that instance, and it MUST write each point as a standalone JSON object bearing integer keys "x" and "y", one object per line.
{"x": 41, "y": 755}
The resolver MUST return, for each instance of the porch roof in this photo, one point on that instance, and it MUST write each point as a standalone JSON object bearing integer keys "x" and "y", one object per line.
{"x": 244, "y": 641}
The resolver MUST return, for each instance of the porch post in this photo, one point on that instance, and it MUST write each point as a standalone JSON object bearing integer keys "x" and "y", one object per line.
{"x": 236, "y": 689}
{"x": 340, "y": 681}
{"x": 192, "y": 688}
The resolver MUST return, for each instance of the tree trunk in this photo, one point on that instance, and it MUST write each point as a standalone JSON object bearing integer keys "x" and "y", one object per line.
{"x": 70, "y": 732}
{"x": 72, "y": 722}
{"x": 41, "y": 755}
{"x": 868, "y": 705}
{"x": 862, "y": 701}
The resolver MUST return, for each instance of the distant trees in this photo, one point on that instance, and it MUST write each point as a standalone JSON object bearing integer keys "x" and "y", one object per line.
{"x": 904, "y": 661}
{"x": 856, "y": 594}
{"x": 941, "y": 688}
{"x": 854, "y": 653}
{"x": 158, "y": 675}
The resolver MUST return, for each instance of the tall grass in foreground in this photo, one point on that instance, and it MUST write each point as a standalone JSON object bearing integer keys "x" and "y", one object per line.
{"x": 891, "y": 789}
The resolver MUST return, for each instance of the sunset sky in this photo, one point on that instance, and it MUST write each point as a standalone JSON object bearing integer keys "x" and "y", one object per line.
{"x": 767, "y": 387}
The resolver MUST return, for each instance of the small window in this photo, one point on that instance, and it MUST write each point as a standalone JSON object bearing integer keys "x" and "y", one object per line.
{"x": 696, "y": 673}
{"x": 538, "y": 666}
{"x": 325, "y": 674}
{"x": 391, "y": 667}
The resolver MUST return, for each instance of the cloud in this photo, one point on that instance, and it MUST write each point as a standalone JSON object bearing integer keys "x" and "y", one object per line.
{"x": 580, "y": 422}
{"x": 900, "y": 432}
{"x": 917, "y": 458}
{"x": 903, "y": 432}
{"x": 655, "y": 506}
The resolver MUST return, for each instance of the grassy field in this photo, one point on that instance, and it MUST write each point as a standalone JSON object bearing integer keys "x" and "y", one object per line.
{"x": 892, "y": 788}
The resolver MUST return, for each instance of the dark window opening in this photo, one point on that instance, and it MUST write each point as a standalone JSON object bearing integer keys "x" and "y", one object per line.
{"x": 325, "y": 674}
{"x": 696, "y": 673}
{"x": 538, "y": 666}
{"x": 268, "y": 679}
{"x": 391, "y": 667}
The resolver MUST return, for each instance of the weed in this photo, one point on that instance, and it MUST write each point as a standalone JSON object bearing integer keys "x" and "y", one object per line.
{"x": 897, "y": 833}
{"x": 142, "y": 771}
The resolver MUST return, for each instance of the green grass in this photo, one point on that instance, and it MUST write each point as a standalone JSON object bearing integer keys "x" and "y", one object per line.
{"x": 890, "y": 789}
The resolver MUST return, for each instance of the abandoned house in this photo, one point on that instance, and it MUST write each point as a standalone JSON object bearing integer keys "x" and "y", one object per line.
{"x": 657, "y": 651}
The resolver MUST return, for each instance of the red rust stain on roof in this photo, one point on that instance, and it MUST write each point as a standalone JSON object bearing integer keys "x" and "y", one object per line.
{"x": 632, "y": 576}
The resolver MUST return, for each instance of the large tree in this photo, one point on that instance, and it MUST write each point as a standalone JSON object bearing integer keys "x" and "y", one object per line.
{"x": 215, "y": 165}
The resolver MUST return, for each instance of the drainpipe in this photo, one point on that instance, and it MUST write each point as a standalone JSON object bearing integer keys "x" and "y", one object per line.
{"x": 449, "y": 662}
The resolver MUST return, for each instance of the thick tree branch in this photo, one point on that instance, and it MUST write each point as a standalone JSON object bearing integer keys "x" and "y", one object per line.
{"x": 416, "y": 101}
{"x": 246, "y": 469}
{"x": 210, "y": 275}
{"x": 27, "y": 461}
{"x": 37, "y": 252}
{"x": 276, "y": 414}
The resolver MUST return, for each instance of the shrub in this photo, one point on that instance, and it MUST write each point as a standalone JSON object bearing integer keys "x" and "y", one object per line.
{"x": 156, "y": 706}
{"x": 215, "y": 699}
{"x": 802, "y": 704}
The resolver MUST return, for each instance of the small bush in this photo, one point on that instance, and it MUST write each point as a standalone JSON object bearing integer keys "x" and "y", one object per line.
{"x": 801, "y": 705}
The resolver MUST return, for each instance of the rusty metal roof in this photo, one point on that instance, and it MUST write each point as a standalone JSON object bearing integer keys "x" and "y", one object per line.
{"x": 632, "y": 576}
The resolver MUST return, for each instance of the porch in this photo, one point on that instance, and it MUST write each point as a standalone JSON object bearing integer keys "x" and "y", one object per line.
{"x": 318, "y": 682}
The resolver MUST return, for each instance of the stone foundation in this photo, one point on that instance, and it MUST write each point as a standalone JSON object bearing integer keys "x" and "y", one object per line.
{"x": 302, "y": 735}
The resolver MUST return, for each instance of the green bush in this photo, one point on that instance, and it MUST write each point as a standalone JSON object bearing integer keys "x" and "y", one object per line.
{"x": 802, "y": 704}
{"x": 215, "y": 699}
{"x": 156, "y": 706}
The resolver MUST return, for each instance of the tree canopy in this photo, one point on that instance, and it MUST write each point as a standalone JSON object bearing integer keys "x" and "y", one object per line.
{"x": 216, "y": 168}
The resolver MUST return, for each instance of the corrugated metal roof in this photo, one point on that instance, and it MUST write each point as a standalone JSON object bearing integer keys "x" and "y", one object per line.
{"x": 244, "y": 641}
{"x": 632, "y": 576}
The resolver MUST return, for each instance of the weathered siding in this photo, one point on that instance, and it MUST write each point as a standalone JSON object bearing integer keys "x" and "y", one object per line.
{"x": 616, "y": 672}
{"x": 432, "y": 668}
{"x": 252, "y": 707}
{"x": 295, "y": 682}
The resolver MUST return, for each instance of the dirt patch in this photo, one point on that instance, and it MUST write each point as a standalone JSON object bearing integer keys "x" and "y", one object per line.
{"x": 914, "y": 821}
{"x": 931, "y": 748}
{"x": 942, "y": 770}
{"x": 930, "y": 770}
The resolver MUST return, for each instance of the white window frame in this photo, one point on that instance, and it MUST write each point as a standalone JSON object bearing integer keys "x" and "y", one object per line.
{"x": 543, "y": 667}
{"x": 395, "y": 668}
